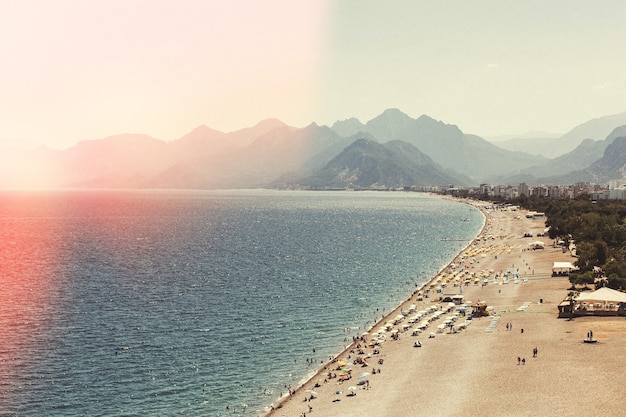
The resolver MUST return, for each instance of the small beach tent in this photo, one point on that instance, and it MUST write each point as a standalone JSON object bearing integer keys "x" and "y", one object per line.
{"x": 562, "y": 268}
{"x": 455, "y": 298}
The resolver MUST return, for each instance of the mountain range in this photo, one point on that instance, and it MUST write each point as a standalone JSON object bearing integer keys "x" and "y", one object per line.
{"x": 552, "y": 146}
{"x": 392, "y": 150}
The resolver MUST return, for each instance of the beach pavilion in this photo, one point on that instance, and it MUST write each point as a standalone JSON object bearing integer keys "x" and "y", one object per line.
{"x": 604, "y": 301}
{"x": 562, "y": 268}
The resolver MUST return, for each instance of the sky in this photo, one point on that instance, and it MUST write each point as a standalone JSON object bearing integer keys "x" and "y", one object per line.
{"x": 73, "y": 70}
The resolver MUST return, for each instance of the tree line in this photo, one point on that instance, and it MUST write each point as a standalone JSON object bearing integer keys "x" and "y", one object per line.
{"x": 598, "y": 229}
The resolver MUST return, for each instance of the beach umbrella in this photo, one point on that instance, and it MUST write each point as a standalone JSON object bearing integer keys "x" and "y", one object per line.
{"x": 352, "y": 388}
{"x": 313, "y": 393}
{"x": 363, "y": 375}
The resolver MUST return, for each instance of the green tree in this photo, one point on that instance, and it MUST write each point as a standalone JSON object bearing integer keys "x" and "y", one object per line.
{"x": 571, "y": 297}
{"x": 602, "y": 252}
{"x": 616, "y": 282}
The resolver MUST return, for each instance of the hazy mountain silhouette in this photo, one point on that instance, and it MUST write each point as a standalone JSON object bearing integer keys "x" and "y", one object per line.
{"x": 119, "y": 161}
{"x": 393, "y": 149}
{"x": 611, "y": 166}
{"x": 551, "y": 147}
{"x": 368, "y": 164}
{"x": 568, "y": 168}
{"x": 446, "y": 144}
{"x": 536, "y": 145}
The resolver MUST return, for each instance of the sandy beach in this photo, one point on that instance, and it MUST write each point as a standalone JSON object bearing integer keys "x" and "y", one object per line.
{"x": 489, "y": 367}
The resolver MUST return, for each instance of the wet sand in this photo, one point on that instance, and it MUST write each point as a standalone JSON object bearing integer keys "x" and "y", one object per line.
{"x": 476, "y": 371}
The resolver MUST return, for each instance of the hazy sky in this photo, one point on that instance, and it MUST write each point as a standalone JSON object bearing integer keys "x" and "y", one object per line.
{"x": 72, "y": 70}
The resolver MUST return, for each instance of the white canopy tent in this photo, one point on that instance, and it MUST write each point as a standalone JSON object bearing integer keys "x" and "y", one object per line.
{"x": 604, "y": 294}
{"x": 603, "y": 299}
{"x": 561, "y": 268}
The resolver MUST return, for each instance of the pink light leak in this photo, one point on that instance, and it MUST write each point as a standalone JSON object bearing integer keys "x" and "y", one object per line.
{"x": 79, "y": 70}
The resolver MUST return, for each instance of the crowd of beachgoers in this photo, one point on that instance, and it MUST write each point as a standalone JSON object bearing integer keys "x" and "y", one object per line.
{"x": 473, "y": 352}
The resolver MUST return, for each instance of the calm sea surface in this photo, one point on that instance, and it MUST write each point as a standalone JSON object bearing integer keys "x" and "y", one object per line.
{"x": 183, "y": 303}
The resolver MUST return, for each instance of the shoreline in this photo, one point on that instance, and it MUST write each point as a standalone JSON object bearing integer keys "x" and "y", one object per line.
{"x": 277, "y": 405}
{"x": 521, "y": 360}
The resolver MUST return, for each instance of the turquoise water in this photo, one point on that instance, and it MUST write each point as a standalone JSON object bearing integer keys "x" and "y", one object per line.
{"x": 186, "y": 302}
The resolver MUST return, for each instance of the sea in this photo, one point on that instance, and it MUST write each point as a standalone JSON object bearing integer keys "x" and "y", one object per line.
{"x": 200, "y": 303}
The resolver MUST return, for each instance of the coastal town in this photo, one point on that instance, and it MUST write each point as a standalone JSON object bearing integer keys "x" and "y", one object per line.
{"x": 613, "y": 190}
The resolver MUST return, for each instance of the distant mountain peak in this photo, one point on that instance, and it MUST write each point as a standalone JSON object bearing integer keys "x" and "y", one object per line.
{"x": 393, "y": 111}
{"x": 270, "y": 124}
{"x": 619, "y": 131}
{"x": 390, "y": 116}
{"x": 203, "y": 129}
{"x": 368, "y": 164}
{"x": 362, "y": 142}
{"x": 350, "y": 120}
{"x": 347, "y": 127}
{"x": 202, "y": 132}
{"x": 427, "y": 118}
{"x": 596, "y": 129}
